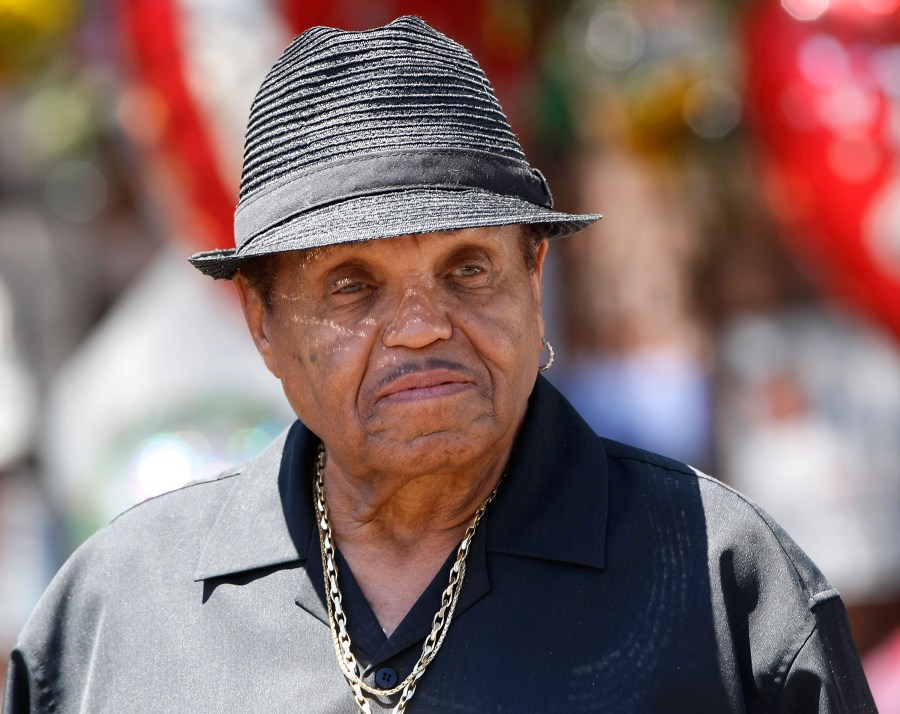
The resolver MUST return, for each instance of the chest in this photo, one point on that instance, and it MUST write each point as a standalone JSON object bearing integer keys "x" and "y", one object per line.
{"x": 532, "y": 637}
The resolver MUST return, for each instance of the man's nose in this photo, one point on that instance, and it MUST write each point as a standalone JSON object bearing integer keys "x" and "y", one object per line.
{"x": 420, "y": 319}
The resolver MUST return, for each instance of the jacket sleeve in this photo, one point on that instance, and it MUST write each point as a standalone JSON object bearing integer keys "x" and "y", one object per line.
{"x": 826, "y": 676}
{"x": 51, "y": 664}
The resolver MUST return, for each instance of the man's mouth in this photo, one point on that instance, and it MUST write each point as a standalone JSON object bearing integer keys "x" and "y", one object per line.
{"x": 431, "y": 380}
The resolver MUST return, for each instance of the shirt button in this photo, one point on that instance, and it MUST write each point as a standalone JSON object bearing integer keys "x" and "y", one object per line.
{"x": 386, "y": 677}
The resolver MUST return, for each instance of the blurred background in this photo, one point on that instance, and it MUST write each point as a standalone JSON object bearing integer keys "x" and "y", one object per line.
{"x": 737, "y": 308}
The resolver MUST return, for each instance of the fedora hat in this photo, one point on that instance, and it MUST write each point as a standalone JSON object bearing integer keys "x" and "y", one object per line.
{"x": 356, "y": 136}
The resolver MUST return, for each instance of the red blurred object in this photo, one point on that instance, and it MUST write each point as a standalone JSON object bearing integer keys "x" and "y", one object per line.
{"x": 184, "y": 147}
{"x": 823, "y": 103}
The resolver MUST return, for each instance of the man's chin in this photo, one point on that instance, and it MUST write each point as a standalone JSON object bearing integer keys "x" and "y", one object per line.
{"x": 437, "y": 448}
{"x": 410, "y": 416}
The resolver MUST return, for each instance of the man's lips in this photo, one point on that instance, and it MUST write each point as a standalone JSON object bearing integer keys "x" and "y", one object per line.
{"x": 410, "y": 383}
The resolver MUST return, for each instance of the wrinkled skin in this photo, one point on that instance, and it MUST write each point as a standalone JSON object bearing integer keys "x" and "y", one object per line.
{"x": 409, "y": 356}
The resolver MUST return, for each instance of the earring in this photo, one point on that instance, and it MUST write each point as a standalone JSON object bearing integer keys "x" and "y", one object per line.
{"x": 545, "y": 344}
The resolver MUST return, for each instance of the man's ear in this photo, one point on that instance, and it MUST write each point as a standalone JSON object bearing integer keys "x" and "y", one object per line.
{"x": 259, "y": 320}
{"x": 537, "y": 279}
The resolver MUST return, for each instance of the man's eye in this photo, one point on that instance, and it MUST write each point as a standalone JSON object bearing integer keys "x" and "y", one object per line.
{"x": 468, "y": 271}
{"x": 346, "y": 287}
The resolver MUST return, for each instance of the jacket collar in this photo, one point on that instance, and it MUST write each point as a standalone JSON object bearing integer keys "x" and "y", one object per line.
{"x": 267, "y": 518}
{"x": 557, "y": 461}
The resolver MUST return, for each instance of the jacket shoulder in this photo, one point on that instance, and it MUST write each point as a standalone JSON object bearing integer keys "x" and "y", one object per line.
{"x": 181, "y": 507}
{"x": 140, "y": 553}
{"x": 623, "y": 453}
{"x": 156, "y": 536}
{"x": 735, "y": 524}
{"x": 772, "y": 608}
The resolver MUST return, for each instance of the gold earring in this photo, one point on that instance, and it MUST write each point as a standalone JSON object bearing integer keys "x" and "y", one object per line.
{"x": 545, "y": 344}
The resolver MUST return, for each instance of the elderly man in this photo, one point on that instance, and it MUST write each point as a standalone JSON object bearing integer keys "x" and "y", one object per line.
{"x": 439, "y": 531}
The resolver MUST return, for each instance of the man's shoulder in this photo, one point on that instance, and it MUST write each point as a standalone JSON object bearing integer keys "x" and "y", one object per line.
{"x": 179, "y": 508}
{"x": 648, "y": 474}
{"x": 646, "y": 462}
{"x": 157, "y": 527}
{"x": 158, "y": 535}
{"x": 737, "y": 529}
{"x": 655, "y": 472}
{"x": 188, "y": 511}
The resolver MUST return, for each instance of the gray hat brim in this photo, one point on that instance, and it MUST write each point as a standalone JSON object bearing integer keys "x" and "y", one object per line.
{"x": 390, "y": 215}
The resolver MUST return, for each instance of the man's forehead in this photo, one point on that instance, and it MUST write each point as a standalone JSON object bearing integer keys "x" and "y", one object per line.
{"x": 361, "y": 248}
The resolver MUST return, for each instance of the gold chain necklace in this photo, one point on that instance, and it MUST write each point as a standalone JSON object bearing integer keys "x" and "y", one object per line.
{"x": 337, "y": 618}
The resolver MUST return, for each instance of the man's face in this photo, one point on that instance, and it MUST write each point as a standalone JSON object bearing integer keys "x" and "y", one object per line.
{"x": 406, "y": 354}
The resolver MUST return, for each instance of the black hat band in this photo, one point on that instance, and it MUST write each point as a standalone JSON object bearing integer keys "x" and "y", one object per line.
{"x": 373, "y": 174}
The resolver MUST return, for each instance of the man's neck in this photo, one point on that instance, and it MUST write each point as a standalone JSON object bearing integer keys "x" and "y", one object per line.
{"x": 396, "y": 536}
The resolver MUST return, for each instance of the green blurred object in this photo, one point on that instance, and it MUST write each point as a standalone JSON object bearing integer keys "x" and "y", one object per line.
{"x": 657, "y": 77}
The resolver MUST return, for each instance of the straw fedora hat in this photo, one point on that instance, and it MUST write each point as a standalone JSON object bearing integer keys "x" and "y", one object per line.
{"x": 356, "y": 136}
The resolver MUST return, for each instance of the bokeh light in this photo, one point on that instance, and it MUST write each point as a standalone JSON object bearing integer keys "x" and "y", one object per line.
{"x": 854, "y": 159}
{"x": 163, "y": 463}
{"x": 849, "y": 106}
{"x": 881, "y": 229}
{"x": 56, "y": 118}
{"x": 886, "y": 69}
{"x": 76, "y": 191}
{"x": 712, "y": 108}
{"x": 615, "y": 38}
{"x": 805, "y": 10}
{"x": 880, "y": 7}
{"x": 823, "y": 61}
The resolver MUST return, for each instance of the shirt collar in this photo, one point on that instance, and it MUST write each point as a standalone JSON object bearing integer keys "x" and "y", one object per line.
{"x": 557, "y": 461}
{"x": 553, "y": 502}
{"x": 266, "y": 519}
